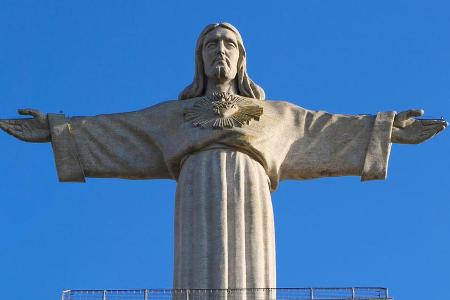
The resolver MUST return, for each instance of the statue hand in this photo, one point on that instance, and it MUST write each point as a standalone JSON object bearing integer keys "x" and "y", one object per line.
{"x": 34, "y": 129}
{"x": 408, "y": 130}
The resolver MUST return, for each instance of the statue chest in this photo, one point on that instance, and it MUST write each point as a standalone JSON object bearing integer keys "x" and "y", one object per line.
{"x": 222, "y": 111}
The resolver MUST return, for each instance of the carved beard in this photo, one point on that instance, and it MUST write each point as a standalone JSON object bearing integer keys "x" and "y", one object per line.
{"x": 222, "y": 71}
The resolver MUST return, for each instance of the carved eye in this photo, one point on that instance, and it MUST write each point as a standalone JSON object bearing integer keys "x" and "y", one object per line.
{"x": 210, "y": 45}
{"x": 231, "y": 45}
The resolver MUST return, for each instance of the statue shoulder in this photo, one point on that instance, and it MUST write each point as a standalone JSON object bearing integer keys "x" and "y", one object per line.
{"x": 283, "y": 105}
{"x": 169, "y": 106}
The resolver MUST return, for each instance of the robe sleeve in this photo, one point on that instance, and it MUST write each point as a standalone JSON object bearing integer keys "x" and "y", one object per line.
{"x": 107, "y": 146}
{"x": 339, "y": 145}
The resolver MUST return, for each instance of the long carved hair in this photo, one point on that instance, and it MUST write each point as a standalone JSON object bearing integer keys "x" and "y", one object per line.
{"x": 246, "y": 87}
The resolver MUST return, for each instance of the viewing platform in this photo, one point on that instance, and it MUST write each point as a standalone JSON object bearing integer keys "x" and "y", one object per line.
{"x": 356, "y": 293}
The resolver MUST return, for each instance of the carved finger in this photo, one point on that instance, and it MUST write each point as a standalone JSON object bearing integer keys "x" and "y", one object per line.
{"x": 404, "y": 118}
{"x": 18, "y": 128}
{"x": 401, "y": 116}
{"x": 434, "y": 122}
{"x": 439, "y": 126}
{"x": 32, "y": 112}
{"x": 439, "y": 129}
{"x": 414, "y": 113}
{"x": 426, "y": 136}
{"x": 428, "y": 133}
{"x": 13, "y": 132}
{"x": 3, "y": 125}
{"x": 431, "y": 131}
{"x": 13, "y": 125}
{"x": 10, "y": 122}
{"x": 7, "y": 124}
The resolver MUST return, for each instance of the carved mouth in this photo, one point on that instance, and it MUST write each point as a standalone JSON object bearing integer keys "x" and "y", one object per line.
{"x": 220, "y": 60}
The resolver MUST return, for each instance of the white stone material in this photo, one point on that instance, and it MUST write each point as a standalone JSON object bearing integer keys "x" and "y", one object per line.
{"x": 224, "y": 227}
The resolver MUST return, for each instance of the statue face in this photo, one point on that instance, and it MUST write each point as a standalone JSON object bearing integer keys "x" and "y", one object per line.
{"x": 220, "y": 54}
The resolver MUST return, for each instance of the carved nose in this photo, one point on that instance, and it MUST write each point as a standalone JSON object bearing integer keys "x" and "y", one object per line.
{"x": 221, "y": 47}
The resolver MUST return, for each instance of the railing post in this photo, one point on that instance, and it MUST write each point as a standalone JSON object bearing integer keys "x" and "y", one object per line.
{"x": 146, "y": 294}
{"x": 311, "y": 293}
{"x": 187, "y": 294}
{"x": 104, "y": 295}
{"x": 353, "y": 293}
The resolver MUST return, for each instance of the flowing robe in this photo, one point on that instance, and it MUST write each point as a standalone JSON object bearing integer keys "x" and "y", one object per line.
{"x": 224, "y": 227}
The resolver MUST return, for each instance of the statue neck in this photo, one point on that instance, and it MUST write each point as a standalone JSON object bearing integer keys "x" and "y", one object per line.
{"x": 214, "y": 86}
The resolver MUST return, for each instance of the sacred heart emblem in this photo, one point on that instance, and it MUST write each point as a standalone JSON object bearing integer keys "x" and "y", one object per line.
{"x": 222, "y": 110}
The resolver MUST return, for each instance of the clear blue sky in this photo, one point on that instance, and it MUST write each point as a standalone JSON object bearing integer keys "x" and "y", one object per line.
{"x": 91, "y": 57}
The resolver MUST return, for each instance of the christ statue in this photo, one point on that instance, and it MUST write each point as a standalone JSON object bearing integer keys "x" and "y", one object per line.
{"x": 227, "y": 148}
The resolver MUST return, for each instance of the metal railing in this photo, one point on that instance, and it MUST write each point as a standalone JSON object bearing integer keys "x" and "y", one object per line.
{"x": 357, "y": 293}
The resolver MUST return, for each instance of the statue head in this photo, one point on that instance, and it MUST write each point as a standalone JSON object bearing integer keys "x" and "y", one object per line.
{"x": 238, "y": 69}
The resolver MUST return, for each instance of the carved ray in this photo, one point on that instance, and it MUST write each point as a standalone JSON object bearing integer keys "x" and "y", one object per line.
{"x": 211, "y": 112}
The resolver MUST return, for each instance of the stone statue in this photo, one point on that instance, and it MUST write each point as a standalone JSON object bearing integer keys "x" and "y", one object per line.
{"x": 228, "y": 148}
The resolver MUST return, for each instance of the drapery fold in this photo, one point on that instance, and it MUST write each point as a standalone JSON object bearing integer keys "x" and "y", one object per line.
{"x": 224, "y": 231}
{"x": 224, "y": 227}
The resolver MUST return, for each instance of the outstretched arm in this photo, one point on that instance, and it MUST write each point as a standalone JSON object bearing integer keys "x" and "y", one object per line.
{"x": 359, "y": 145}
{"x": 116, "y": 145}
{"x": 339, "y": 145}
